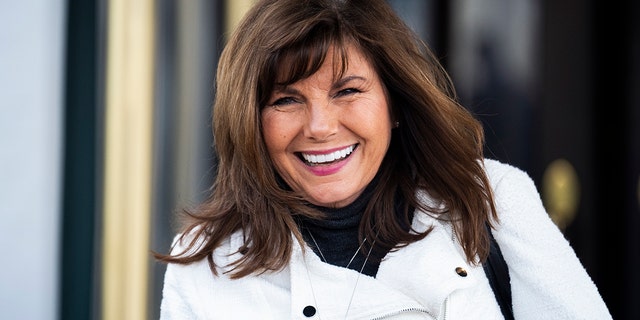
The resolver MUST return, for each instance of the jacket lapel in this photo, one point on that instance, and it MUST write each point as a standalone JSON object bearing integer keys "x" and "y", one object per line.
{"x": 427, "y": 270}
{"x": 418, "y": 277}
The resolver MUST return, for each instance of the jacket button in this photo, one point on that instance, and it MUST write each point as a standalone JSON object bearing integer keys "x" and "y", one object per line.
{"x": 461, "y": 271}
{"x": 309, "y": 311}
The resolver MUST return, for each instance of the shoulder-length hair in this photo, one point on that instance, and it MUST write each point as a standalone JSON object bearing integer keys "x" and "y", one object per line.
{"x": 437, "y": 148}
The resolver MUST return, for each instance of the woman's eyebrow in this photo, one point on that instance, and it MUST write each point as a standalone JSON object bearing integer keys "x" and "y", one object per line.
{"x": 347, "y": 79}
{"x": 284, "y": 89}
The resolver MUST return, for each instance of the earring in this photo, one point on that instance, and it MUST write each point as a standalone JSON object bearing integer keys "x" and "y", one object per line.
{"x": 396, "y": 124}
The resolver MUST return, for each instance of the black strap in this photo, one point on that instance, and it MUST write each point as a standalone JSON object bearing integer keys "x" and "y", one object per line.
{"x": 498, "y": 273}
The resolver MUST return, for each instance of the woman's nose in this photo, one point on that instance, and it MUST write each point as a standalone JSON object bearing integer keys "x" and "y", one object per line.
{"x": 322, "y": 121}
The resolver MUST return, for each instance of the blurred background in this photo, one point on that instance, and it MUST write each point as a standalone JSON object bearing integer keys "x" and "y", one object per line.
{"x": 105, "y": 134}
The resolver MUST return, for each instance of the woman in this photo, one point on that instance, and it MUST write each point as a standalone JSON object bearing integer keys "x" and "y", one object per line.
{"x": 352, "y": 184}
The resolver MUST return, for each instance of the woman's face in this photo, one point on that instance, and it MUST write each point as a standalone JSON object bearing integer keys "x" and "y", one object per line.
{"x": 327, "y": 137}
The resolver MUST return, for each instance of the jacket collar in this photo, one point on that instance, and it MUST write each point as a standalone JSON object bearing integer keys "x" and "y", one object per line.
{"x": 419, "y": 276}
{"x": 427, "y": 270}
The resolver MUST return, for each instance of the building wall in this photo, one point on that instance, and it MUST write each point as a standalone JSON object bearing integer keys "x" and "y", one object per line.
{"x": 31, "y": 86}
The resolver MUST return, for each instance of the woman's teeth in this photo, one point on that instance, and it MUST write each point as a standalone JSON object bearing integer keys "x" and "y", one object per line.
{"x": 315, "y": 159}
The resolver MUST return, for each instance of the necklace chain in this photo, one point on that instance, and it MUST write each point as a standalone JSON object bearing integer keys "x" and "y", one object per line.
{"x": 352, "y": 257}
{"x": 348, "y": 264}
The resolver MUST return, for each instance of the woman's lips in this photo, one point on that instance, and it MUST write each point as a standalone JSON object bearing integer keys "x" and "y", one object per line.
{"x": 322, "y": 164}
{"x": 315, "y": 159}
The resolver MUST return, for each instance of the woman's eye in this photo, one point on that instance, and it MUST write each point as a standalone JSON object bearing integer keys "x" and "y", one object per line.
{"x": 346, "y": 92}
{"x": 283, "y": 101}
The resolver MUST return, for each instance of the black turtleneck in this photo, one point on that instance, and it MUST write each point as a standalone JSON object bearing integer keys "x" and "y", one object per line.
{"x": 336, "y": 236}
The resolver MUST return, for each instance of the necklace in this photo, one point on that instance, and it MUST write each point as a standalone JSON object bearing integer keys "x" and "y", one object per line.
{"x": 351, "y": 260}
{"x": 353, "y": 292}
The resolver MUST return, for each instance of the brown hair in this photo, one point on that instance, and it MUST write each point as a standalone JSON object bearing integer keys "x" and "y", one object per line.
{"x": 437, "y": 148}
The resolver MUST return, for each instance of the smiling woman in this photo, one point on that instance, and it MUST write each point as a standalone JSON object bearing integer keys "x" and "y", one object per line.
{"x": 328, "y": 133}
{"x": 352, "y": 184}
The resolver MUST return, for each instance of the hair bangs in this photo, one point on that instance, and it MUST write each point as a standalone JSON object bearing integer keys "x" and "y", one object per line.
{"x": 301, "y": 59}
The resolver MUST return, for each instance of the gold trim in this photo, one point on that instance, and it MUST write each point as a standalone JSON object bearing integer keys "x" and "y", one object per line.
{"x": 128, "y": 159}
{"x": 235, "y": 10}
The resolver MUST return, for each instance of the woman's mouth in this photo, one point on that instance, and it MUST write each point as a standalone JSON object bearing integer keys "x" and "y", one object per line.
{"x": 327, "y": 158}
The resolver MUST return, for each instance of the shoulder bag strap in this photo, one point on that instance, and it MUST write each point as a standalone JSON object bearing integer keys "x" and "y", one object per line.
{"x": 498, "y": 274}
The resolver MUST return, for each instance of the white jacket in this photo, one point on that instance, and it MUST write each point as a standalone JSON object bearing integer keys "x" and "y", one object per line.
{"x": 416, "y": 282}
